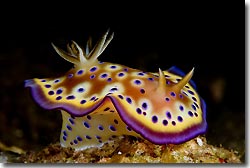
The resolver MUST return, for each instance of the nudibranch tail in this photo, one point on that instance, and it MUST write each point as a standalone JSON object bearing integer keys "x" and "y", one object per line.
{"x": 101, "y": 100}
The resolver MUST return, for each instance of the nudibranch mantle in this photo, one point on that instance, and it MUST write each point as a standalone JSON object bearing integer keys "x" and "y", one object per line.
{"x": 101, "y": 100}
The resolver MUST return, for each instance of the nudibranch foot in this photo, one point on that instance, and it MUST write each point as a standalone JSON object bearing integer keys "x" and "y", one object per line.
{"x": 94, "y": 129}
{"x": 101, "y": 100}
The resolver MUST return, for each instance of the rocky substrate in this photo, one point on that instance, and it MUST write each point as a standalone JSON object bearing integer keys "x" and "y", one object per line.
{"x": 131, "y": 150}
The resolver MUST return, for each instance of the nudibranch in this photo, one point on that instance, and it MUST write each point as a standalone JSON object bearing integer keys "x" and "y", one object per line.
{"x": 100, "y": 100}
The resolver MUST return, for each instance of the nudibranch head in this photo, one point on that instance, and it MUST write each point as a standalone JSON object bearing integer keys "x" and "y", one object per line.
{"x": 101, "y": 100}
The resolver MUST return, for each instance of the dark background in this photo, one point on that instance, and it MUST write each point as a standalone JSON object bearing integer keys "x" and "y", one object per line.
{"x": 209, "y": 37}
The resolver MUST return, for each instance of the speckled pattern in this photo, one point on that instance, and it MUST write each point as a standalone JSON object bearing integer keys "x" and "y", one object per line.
{"x": 101, "y": 100}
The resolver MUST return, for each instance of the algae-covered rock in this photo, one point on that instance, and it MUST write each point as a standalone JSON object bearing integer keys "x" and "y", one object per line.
{"x": 131, "y": 150}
